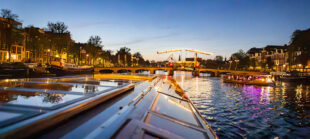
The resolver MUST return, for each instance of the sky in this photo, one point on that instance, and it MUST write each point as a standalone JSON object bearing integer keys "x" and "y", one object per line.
{"x": 221, "y": 27}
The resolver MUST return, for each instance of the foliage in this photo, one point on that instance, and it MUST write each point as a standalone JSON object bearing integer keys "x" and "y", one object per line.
{"x": 241, "y": 59}
{"x": 58, "y": 27}
{"x": 122, "y": 53}
{"x": 300, "y": 42}
{"x": 6, "y": 13}
{"x": 94, "y": 47}
{"x": 35, "y": 41}
{"x": 219, "y": 58}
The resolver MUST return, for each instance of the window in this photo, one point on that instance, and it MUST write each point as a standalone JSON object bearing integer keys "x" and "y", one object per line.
{"x": 19, "y": 50}
{"x": 14, "y": 49}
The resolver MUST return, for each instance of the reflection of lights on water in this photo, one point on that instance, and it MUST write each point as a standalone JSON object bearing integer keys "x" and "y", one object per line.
{"x": 299, "y": 90}
{"x": 269, "y": 80}
{"x": 197, "y": 85}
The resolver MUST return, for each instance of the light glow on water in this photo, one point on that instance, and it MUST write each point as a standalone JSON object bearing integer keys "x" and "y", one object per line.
{"x": 248, "y": 111}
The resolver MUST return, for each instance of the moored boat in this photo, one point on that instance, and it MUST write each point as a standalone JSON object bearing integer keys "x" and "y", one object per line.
{"x": 294, "y": 76}
{"x": 60, "y": 68}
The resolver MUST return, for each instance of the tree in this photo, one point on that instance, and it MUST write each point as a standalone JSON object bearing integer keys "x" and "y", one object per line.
{"x": 94, "y": 47}
{"x": 59, "y": 36}
{"x": 58, "y": 27}
{"x": 219, "y": 58}
{"x": 121, "y": 53}
{"x": 140, "y": 58}
{"x": 242, "y": 58}
{"x": 95, "y": 41}
{"x": 299, "y": 48}
{"x": 7, "y": 14}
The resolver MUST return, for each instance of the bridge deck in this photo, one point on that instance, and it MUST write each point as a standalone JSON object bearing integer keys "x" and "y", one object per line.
{"x": 170, "y": 69}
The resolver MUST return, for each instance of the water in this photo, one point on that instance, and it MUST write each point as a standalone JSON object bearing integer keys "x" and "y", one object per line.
{"x": 247, "y": 111}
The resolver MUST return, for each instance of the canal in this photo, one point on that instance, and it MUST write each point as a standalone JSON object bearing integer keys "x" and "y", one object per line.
{"x": 247, "y": 111}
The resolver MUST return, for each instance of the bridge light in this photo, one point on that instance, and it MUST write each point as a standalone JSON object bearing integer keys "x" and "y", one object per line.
{"x": 197, "y": 65}
{"x": 170, "y": 64}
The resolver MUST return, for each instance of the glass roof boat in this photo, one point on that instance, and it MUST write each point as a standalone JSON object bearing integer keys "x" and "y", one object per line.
{"x": 99, "y": 106}
{"x": 250, "y": 79}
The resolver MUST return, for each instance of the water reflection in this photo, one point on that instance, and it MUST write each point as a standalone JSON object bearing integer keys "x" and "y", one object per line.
{"x": 237, "y": 111}
{"x": 35, "y": 98}
{"x": 83, "y": 88}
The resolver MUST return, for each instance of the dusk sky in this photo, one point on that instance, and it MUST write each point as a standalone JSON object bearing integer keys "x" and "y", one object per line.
{"x": 220, "y": 26}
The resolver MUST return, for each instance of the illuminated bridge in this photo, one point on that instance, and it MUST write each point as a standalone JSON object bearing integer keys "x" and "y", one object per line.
{"x": 170, "y": 70}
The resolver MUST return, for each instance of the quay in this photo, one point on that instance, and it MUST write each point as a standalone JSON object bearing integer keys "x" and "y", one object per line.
{"x": 99, "y": 106}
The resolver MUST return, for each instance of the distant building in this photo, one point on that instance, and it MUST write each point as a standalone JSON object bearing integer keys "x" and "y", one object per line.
{"x": 255, "y": 55}
{"x": 36, "y": 45}
{"x": 277, "y": 55}
{"x": 273, "y": 57}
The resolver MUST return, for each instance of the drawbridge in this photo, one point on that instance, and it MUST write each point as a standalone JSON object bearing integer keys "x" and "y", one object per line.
{"x": 188, "y": 65}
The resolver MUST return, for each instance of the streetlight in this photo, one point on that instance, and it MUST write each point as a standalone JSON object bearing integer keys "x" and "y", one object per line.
{"x": 230, "y": 61}
{"x": 277, "y": 63}
{"x": 87, "y": 58}
{"x": 49, "y": 56}
{"x": 236, "y": 63}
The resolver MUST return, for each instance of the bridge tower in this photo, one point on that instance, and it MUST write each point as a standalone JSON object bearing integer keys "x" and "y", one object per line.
{"x": 197, "y": 65}
{"x": 170, "y": 72}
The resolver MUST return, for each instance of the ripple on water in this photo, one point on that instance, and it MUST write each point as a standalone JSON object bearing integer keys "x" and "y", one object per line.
{"x": 244, "y": 111}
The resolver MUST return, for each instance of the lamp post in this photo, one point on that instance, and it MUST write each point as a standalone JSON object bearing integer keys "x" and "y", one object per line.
{"x": 230, "y": 61}
{"x": 87, "y": 58}
{"x": 48, "y": 56}
{"x": 236, "y": 63}
{"x": 300, "y": 66}
{"x": 277, "y": 63}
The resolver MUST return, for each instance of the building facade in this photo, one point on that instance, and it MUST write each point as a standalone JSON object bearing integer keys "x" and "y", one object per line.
{"x": 269, "y": 58}
{"x": 12, "y": 41}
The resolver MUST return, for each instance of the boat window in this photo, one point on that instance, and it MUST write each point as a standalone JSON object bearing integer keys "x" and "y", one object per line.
{"x": 8, "y": 115}
{"x": 55, "y": 86}
{"x": 170, "y": 90}
{"x": 175, "y": 128}
{"x": 35, "y": 99}
{"x": 68, "y": 81}
{"x": 147, "y": 135}
{"x": 175, "y": 108}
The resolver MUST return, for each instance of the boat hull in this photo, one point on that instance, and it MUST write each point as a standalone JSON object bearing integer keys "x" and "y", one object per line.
{"x": 61, "y": 71}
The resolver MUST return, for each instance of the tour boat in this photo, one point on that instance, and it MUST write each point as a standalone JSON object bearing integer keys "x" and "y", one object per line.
{"x": 264, "y": 80}
{"x": 60, "y": 68}
{"x": 99, "y": 106}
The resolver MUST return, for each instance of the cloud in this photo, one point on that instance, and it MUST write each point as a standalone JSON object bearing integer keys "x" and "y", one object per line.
{"x": 136, "y": 41}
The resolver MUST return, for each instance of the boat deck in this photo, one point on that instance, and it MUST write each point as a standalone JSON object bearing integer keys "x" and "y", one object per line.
{"x": 98, "y": 107}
